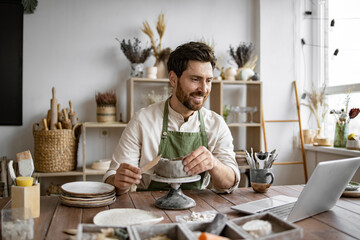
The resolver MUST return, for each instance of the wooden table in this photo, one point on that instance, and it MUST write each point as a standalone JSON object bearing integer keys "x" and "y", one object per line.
{"x": 341, "y": 222}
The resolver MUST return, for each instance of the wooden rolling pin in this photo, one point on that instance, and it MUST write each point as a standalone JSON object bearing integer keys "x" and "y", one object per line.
{"x": 72, "y": 114}
{"x": 45, "y": 124}
{"x": 54, "y": 114}
{"x": 60, "y": 117}
{"x": 66, "y": 123}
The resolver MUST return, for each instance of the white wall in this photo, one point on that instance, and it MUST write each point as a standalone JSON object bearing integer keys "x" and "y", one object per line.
{"x": 279, "y": 44}
{"x": 71, "y": 45}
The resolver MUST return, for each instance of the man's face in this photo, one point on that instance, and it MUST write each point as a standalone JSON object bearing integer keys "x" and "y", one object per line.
{"x": 194, "y": 85}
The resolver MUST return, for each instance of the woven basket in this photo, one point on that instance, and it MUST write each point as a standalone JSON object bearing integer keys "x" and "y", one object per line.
{"x": 55, "y": 150}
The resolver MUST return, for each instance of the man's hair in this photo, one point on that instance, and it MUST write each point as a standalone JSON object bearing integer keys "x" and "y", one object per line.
{"x": 197, "y": 51}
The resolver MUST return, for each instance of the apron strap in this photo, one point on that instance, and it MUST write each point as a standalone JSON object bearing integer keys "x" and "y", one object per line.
{"x": 164, "y": 131}
{"x": 204, "y": 137}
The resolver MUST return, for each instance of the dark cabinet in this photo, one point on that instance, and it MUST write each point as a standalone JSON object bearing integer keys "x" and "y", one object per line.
{"x": 11, "y": 62}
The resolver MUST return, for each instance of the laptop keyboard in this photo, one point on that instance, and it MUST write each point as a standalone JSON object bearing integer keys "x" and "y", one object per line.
{"x": 281, "y": 211}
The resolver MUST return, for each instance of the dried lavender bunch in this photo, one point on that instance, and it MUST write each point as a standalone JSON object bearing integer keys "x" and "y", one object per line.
{"x": 133, "y": 51}
{"x": 106, "y": 98}
{"x": 242, "y": 54}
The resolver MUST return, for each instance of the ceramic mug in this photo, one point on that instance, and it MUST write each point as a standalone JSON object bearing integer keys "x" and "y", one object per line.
{"x": 309, "y": 135}
{"x": 261, "y": 179}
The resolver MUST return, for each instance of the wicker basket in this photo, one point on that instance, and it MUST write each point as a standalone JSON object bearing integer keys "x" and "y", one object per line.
{"x": 56, "y": 150}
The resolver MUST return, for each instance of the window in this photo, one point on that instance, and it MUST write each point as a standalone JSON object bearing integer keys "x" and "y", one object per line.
{"x": 341, "y": 58}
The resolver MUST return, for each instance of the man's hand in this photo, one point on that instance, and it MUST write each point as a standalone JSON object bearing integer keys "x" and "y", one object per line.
{"x": 125, "y": 176}
{"x": 199, "y": 161}
{"x": 202, "y": 160}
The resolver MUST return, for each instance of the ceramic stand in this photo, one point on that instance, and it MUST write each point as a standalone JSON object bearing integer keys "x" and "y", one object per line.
{"x": 175, "y": 199}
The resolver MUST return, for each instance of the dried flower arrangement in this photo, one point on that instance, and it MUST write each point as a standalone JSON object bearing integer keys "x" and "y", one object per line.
{"x": 133, "y": 51}
{"x": 341, "y": 116}
{"x": 159, "y": 53}
{"x": 243, "y": 55}
{"x": 317, "y": 105}
{"x": 106, "y": 98}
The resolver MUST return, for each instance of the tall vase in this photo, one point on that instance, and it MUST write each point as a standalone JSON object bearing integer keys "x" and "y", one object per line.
{"x": 341, "y": 133}
{"x": 162, "y": 71}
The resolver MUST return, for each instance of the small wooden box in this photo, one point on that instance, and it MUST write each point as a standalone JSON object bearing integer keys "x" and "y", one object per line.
{"x": 26, "y": 197}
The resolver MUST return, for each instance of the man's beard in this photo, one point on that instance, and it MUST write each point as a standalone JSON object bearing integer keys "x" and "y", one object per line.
{"x": 185, "y": 98}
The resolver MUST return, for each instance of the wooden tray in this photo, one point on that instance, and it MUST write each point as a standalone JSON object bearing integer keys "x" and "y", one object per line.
{"x": 281, "y": 229}
{"x": 171, "y": 230}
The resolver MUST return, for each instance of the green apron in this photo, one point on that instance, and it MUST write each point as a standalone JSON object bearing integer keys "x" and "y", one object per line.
{"x": 178, "y": 144}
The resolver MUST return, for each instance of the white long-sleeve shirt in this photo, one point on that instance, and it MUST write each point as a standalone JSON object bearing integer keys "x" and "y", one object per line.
{"x": 140, "y": 140}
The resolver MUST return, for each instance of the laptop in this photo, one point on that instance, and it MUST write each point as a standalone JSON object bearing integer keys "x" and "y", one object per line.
{"x": 320, "y": 194}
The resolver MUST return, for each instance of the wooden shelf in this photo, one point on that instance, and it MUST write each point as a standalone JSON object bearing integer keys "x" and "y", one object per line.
{"x": 78, "y": 172}
{"x": 90, "y": 171}
{"x": 244, "y": 125}
{"x": 99, "y": 125}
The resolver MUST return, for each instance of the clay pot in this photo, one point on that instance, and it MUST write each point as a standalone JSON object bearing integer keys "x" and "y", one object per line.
{"x": 170, "y": 168}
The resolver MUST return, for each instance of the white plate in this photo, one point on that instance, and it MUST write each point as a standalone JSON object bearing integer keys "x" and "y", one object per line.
{"x": 88, "y": 205}
{"x": 121, "y": 217}
{"x": 87, "y": 188}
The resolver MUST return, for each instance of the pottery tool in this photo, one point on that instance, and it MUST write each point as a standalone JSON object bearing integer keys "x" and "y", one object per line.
{"x": 151, "y": 164}
{"x": 217, "y": 225}
{"x": 269, "y": 159}
{"x": 66, "y": 121}
{"x": 54, "y": 114}
{"x": 26, "y": 163}
{"x": 45, "y": 124}
{"x": 145, "y": 168}
{"x": 262, "y": 159}
{"x": 72, "y": 114}
{"x": 71, "y": 231}
{"x": 249, "y": 160}
{"x": 12, "y": 171}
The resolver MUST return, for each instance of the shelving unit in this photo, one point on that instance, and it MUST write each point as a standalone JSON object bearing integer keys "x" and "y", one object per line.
{"x": 253, "y": 98}
{"x": 84, "y": 171}
{"x": 88, "y": 171}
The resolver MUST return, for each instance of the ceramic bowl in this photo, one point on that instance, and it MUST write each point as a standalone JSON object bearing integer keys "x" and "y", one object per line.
{"x": 170, "y": 168}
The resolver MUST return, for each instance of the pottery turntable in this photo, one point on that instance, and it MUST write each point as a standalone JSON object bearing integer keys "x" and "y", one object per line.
{"x": 175, "y": 199}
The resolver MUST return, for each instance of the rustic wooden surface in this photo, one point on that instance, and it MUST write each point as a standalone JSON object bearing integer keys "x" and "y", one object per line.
{"x": 341, "y": 222}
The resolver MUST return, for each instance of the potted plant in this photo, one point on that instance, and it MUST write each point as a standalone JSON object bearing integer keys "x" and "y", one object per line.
{"x": 135, "y": 55}
{"x": 106, "y": 106}
{"x": 161, "y": 55}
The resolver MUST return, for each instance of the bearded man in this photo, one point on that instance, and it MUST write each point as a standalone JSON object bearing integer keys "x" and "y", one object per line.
{"x": 179, "y": 127}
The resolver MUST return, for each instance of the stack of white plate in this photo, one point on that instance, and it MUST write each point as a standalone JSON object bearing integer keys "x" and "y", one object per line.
{"x": 87, "y": 194}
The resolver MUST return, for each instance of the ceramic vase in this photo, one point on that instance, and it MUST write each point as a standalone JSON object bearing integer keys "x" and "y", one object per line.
{"x": 230, "y": 73}
{"x": 137, "y": 70}
{"x": 162, "y": 71}
{"x": 151, "y": 72}
{"x": 341, "y": 133}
